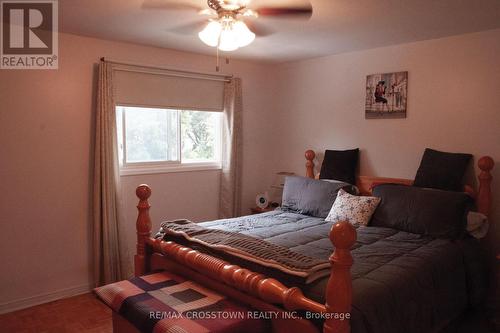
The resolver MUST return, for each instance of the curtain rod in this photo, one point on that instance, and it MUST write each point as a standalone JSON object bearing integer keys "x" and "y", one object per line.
{"x": 172, "y": 71}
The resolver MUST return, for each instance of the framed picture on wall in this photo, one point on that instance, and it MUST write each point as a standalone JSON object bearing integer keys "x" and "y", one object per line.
{"x": 386, "y": 95}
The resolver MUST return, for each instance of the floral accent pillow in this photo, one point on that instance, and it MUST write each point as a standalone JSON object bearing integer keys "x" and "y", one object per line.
{"x": 356, "y": 209}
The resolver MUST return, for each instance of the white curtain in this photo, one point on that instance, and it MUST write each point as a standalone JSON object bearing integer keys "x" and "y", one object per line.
{"x": 109, "y": 259}
{"x": 230, "y": 185}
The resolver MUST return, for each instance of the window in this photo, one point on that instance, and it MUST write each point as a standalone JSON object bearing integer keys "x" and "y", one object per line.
{"x": 154, "y": 140}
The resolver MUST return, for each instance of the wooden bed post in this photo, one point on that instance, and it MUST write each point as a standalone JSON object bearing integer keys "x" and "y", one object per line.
{"x": 484, "y": 199}
{"x": 310, "y": 155}
{"x": 339, "y": 287}
{"x": 143, "y": 227}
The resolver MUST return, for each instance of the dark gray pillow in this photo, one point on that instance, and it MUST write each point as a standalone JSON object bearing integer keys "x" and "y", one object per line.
{"x": 310, "y": 196}
{"x": 442, "y": 170}
{"x": 340, "y": 165}
{"x": 425, "y": 211}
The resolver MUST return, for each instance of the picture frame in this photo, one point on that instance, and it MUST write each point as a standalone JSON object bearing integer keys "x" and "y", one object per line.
{"x": 386, "y": 95}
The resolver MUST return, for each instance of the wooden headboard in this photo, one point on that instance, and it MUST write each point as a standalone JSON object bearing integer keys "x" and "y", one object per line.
{"x": 365, "y": 183}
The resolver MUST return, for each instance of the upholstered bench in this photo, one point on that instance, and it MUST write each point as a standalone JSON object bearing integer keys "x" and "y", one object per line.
{"x": 164, "y": 302}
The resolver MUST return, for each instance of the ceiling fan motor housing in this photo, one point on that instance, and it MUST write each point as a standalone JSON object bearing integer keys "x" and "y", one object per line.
{"x": 223, "y": 8}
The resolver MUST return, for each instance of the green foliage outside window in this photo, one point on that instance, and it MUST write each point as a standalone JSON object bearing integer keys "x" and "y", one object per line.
{"x": 152, "y": 135}
{"x": 198, "y": 135}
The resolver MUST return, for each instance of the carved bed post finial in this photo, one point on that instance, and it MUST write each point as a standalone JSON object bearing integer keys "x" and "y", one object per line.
{"x": 339, "y": 287}
{"x": 310, "y": 155}
{"x": 484, "y": 199}
{"x": 143, "y": 227}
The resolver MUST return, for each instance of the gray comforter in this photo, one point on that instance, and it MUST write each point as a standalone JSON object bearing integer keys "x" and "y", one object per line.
{"x": 402, "y": 282}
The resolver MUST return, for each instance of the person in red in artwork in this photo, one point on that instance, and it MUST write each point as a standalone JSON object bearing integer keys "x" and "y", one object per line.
{"x": 380, "y": 92}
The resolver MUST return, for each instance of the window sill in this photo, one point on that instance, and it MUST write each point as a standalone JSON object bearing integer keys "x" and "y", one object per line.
{"x": 149, "y": 170}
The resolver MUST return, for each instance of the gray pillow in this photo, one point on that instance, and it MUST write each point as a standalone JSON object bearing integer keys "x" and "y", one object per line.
{"x": 310, "y": 196}
{"x": 425, "y": 211}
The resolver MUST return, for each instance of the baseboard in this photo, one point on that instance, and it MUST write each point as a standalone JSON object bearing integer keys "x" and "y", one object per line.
{"x": 43, "y": 298}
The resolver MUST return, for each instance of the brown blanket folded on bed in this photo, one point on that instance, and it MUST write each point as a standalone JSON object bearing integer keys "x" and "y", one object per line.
{"x": 248, "y": 248}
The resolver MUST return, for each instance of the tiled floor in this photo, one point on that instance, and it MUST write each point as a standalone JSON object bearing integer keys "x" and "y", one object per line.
{"x": 85, "y": 313}
{"x": 82, "y": 313}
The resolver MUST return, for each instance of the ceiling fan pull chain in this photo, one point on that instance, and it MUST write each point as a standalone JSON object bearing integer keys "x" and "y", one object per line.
{"x": 217, "y": 68}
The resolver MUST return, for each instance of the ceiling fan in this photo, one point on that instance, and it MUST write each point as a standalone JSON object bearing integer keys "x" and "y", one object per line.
{"x": 232, "y": 23}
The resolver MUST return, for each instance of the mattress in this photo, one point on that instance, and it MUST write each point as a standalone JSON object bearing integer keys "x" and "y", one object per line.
{"x": 402, "y": 282}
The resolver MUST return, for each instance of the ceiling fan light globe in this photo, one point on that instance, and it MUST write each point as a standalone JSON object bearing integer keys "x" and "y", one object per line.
{"x": 244, "y": 35}
{"x": 228, "y": 40}
{"x": 210, "y": 34}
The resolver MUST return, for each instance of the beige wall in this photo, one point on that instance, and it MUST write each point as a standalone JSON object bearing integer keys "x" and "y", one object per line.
{"x": 453, "y": 105}
{"x": 46, "y": 120}
{"x": 46, "y": 134}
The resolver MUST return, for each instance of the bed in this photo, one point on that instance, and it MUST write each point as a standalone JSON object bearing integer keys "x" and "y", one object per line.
{"x": 432, "y": 279}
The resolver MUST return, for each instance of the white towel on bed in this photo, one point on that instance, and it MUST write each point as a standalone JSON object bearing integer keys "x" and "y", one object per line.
{"x": 477, "y": 225}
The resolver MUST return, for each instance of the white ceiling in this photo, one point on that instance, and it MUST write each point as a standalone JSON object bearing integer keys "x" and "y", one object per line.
{"x": 336, "y": 25}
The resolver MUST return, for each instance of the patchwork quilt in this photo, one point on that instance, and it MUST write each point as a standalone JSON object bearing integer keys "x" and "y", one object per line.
{"x": 166, "y": 303}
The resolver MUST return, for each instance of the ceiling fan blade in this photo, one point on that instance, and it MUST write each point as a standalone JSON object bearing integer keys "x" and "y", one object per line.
{"x": 259, "y": 29}
{"x": 207, "y": 12}
{"x": 297, "y": 12}
{"x": 169, "y": 5}
{"x": 189, "y": 29}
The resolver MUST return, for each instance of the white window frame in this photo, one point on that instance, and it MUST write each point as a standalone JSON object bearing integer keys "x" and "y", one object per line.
{"x": 156, "y": 167}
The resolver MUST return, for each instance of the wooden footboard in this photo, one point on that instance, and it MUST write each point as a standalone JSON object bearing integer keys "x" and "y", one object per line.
{"x": 268, "y": 291}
